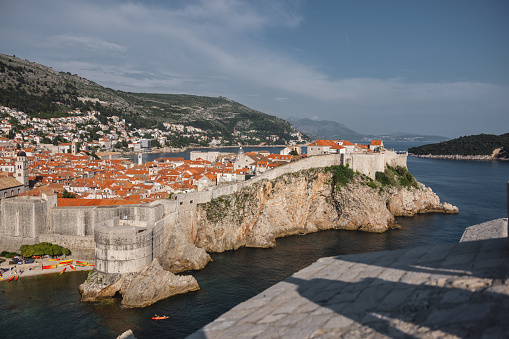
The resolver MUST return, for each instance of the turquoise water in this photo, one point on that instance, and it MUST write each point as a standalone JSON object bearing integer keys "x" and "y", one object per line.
{"x": 49, "y": 306}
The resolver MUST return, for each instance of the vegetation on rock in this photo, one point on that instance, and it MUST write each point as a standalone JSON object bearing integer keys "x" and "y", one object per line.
{"x": 398, "y": 176}
{"x": 341, "y": 175}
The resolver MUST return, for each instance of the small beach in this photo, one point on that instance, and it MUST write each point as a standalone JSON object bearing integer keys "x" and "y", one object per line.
{"x": 35, "y": 268}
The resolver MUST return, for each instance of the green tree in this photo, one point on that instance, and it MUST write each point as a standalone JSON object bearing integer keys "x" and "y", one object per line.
{"x": 68, "y": 195}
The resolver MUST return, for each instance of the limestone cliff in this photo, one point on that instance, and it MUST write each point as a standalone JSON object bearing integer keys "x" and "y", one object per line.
{"x": 302, "y": 202}
{"x": 309, "y": 201}
{"x": 137, "y": 289}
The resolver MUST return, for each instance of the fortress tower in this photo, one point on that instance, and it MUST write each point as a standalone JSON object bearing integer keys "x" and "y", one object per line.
{"x": 21, "y": 168}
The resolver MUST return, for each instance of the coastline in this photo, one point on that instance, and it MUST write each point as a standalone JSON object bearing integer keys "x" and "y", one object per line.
{"x": 36, "y": 268}
{"x": 459, "y": 157}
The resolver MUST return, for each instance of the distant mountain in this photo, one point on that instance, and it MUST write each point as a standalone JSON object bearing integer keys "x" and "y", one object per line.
{"x": 496, "y": 146}
{"x": 323, "y": 129}
{"x": 42, "y": 92}
{"x": 402, "y": 136}
{"x": 333, "y": 130}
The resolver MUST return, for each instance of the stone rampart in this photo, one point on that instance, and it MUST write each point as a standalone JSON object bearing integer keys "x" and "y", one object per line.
{"x": 22, "y": 220}
{"x": 122, "y": 249}
{"x": 82, "y": 247}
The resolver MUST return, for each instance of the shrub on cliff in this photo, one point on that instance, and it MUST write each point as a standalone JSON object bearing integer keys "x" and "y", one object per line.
{"x": 398, "y": 176}
{"x": 341, "y": 175}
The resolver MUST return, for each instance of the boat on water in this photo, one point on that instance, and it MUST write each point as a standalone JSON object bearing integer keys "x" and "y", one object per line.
{"x": 160, "y": 317}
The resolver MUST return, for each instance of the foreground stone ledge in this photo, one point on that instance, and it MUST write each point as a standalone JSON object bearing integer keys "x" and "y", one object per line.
{"x": 443, "y": 291}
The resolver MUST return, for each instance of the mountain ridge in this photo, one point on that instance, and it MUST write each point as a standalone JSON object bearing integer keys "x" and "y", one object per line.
{"x": 41, "y": 91}
{"x": 326, "y": 129}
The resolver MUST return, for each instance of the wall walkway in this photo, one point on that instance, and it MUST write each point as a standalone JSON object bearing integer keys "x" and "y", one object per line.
{"x": 451, "y": 290}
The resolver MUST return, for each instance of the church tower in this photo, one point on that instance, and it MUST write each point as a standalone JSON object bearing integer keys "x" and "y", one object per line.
{"x": 21, "y": 168}
{"x": 140, "y": 159}
{"x": 74, "y": 148}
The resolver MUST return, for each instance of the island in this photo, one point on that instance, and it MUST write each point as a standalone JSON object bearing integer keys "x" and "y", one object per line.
{"x": 473, "y": 147}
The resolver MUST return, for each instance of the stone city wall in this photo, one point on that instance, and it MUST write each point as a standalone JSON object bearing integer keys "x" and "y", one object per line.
{"x": 122, "y": 249}
{"x": 22, "y": 220}
{"x": 121, "y": 245}
{"x": 82, "y": 247}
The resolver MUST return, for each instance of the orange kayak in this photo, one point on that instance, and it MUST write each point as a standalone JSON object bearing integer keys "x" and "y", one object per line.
{"x": 11, "y": 278}
{"x": 63, "y": 270}
{"x": 49, "y": 267}
{"x": 160, "y": 317}
{"x": 72, "y": 267}
{"x": 17, "y": 277}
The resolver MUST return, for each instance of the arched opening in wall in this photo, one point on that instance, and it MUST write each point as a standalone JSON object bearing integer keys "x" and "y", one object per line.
{"x": 12, "y": 193}
{"x": 5, "y": 194}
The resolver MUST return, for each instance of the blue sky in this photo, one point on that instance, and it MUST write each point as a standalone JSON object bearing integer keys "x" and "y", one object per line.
{"x": 426, "y": 67}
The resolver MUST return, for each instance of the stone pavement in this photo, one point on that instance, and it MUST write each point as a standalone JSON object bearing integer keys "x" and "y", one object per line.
{"x": 443, "y": 291}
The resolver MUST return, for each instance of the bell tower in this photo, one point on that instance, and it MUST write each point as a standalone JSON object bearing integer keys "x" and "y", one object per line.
{"x": 21, "y": 168}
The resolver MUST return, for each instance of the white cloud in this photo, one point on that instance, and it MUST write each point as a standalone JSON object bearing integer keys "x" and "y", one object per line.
{"x": 83, "y": 42}
{"x": 280, "y": 99}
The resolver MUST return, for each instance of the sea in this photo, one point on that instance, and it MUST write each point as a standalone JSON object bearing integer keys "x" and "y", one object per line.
{"x": 49, "y": 306}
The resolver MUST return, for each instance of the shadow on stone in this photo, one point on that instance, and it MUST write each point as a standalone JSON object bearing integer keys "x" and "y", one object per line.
{"x": 461, "y": 292}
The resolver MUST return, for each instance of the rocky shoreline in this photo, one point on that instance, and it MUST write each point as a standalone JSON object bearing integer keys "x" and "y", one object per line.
{"x": 459, "y": 157}
{"x": 137, "y": 289}
{"x": 297, "y": 203}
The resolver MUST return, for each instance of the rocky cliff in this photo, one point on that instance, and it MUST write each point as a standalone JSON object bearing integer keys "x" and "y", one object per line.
{"x": 309, "y": 201}
{"x": 302, "y": 202}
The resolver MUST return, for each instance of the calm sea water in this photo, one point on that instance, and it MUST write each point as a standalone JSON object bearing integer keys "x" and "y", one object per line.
{"x": 49, "y": 306}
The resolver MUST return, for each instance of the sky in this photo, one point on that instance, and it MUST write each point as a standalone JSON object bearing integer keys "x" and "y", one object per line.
{"x": 429, "y": 67}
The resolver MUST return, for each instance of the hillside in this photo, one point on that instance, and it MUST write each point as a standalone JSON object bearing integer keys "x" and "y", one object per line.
{"x": 496, "y": 146}
{"x": 42, "y": 92}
